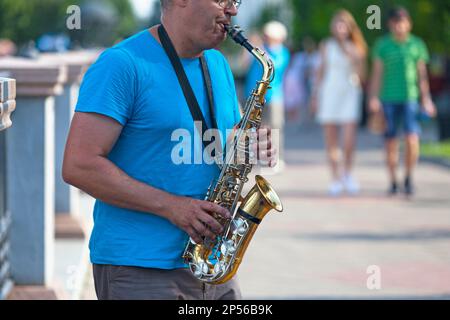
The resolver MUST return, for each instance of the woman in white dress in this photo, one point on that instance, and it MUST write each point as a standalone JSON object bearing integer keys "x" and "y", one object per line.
{"x": 337, "y": 96}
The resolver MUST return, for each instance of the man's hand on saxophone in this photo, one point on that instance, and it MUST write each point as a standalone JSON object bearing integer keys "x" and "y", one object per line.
{"x": 265, "y": 148}
{"x": 196, "y": 217}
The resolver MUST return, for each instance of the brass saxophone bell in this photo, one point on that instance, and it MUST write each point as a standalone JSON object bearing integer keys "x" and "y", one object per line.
{"x": 261, "y": 199}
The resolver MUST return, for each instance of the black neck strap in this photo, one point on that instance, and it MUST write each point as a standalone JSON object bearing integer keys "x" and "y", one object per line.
{"x": 191, "y": 100}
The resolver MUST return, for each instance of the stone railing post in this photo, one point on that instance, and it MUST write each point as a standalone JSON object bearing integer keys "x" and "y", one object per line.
{"x": 67, "y": 198}
{"x": 30, "y": 169}
{"x": 7, "y": 106}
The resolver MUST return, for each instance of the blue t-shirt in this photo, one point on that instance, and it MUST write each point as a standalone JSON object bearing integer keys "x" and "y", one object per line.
{"x": 135, "y": 84}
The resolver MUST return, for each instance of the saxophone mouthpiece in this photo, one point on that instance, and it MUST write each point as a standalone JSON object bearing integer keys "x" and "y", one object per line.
{"x": 236, "y": 33}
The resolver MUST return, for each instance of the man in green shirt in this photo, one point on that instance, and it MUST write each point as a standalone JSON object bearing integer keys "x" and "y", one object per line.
{"x": 399, "y": 88}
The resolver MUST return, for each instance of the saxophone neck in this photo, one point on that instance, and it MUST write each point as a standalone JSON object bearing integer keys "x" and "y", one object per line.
{"x": 262, "y": 57}
{"x": 268, "y": 72}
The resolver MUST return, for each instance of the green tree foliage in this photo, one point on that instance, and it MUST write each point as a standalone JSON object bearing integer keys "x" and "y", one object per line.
{"x": 127, "y": 20}
{"x": 272, "y": 11}
{"x": 25, "y": 20}
{"x": 431, "y": 19}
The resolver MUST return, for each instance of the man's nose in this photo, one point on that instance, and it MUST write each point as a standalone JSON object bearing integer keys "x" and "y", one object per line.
{"x": 232, "y": 11}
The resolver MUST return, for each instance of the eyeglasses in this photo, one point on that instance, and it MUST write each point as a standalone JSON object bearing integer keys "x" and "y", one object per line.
{"x": 227, "y": 4}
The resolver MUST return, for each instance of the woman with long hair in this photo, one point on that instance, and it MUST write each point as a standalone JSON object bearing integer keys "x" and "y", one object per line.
{"x": 337, "y": 96}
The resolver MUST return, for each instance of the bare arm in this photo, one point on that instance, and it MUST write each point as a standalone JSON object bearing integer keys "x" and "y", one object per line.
{"x": 357, "y": 59}
{"x": 424, "y": 86}
{"x": 375, "y": 85}
{"x": 318, "y": 79}
{"x": 87, "y": 167}
{"x": 361, "y": 67}
{"x": 321, "y": 68}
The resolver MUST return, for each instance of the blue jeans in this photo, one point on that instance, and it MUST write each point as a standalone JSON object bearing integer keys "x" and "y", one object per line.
{"x": 404, "y": 113}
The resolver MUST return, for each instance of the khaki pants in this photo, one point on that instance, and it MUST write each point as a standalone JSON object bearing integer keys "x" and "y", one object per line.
{"x": 134, "y": 283}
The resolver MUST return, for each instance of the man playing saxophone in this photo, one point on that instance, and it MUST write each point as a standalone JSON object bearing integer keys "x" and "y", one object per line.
{"x": 119, "y": 151}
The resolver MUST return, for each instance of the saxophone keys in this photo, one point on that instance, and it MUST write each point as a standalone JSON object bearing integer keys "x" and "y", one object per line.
{"x": 197, "y": 273}
{"x": 200, "y": 269}
{"x": 219, "y": 268}
{"x": 232, "y": 249}
{"x": 241, "y": 231}
{"x": 240, "y": 227}
{"x": 228, "y": 248}
{"x": 224, "y": 249}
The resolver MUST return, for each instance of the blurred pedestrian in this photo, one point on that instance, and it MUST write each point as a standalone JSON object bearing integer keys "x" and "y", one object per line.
{"x": 7, "y": 48}
{"x": 274, "y": 36}
{"x": 294, "y": 88}
{"x": 299, "y": 80}
{"x": 399, "y": 80}
{"x": 53, "y": 42}
{"x": 337, "y": 96}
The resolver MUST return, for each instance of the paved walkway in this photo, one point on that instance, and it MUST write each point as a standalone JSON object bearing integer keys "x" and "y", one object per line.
{"x": 322, "y": 247}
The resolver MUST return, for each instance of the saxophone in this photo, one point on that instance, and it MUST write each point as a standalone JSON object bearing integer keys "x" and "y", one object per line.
{"x": 217, "y": 261}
